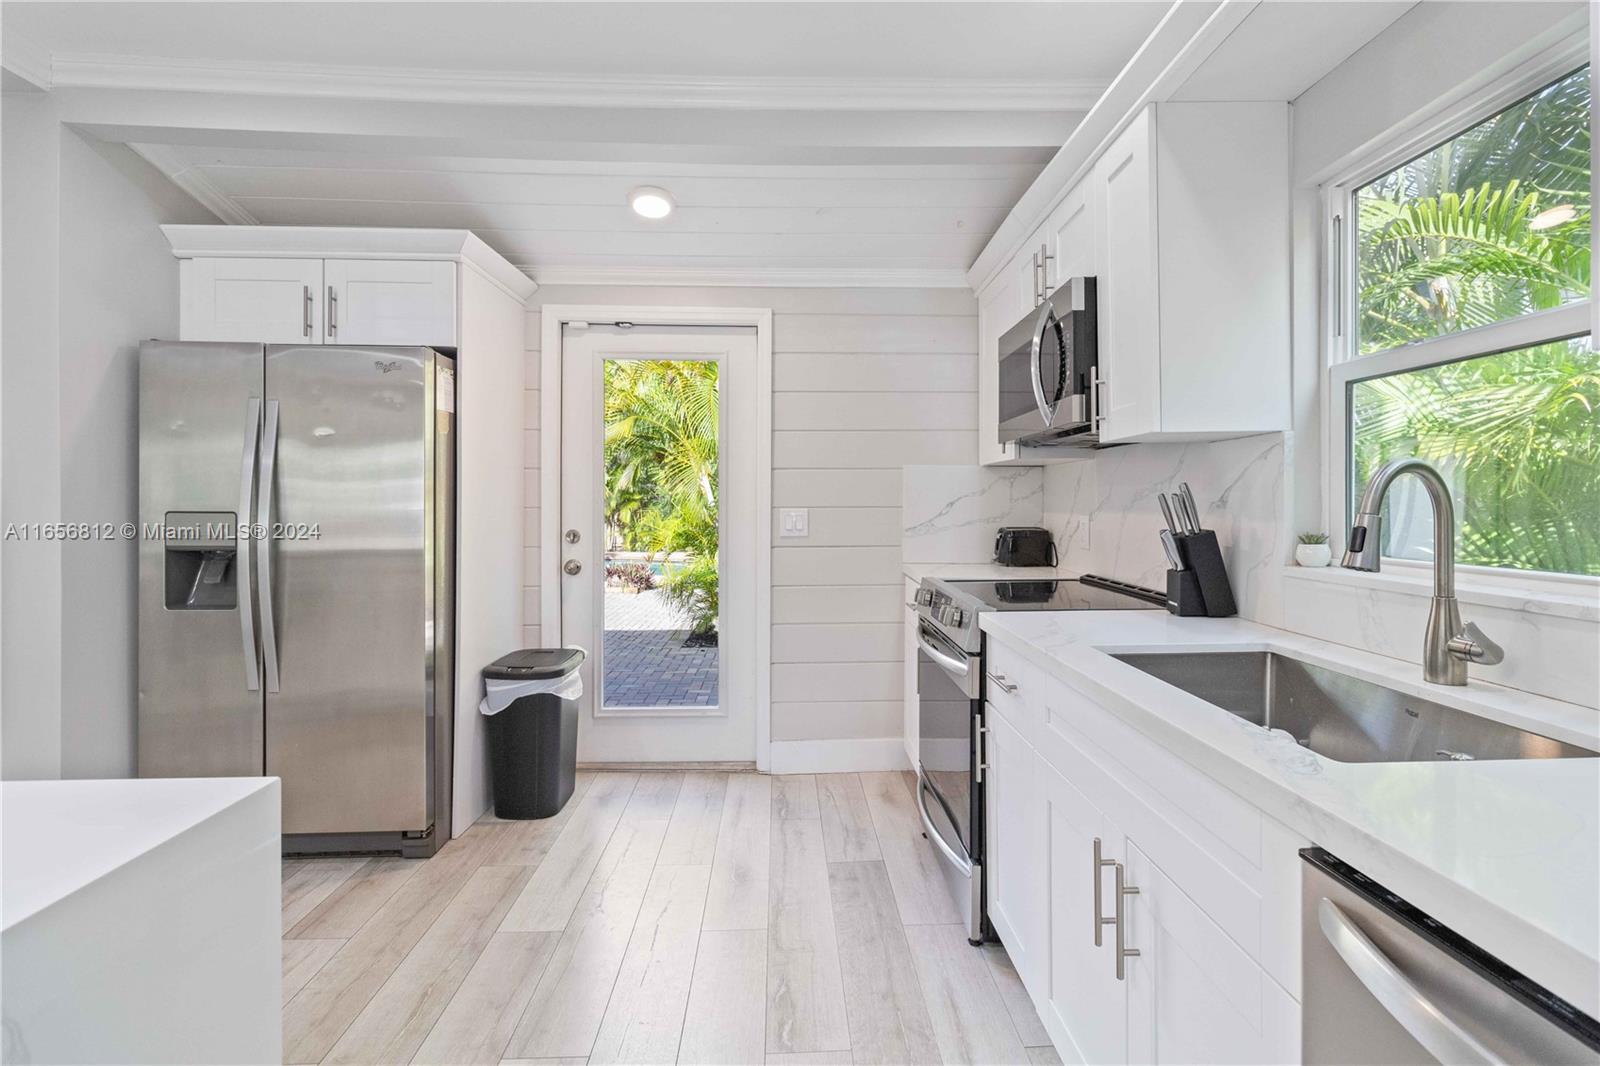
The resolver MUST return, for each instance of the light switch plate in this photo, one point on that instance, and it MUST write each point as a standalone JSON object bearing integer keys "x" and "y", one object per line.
{"x": 794, "y": 522}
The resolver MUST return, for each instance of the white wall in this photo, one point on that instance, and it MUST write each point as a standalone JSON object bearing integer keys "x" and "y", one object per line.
{"x": 865, "y": 381}
{"x": 1259, "y": 491}
{"x": 87, "y": 276}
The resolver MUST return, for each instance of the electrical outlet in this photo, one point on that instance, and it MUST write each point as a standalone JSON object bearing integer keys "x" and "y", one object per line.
{"x": 795, "y": 522}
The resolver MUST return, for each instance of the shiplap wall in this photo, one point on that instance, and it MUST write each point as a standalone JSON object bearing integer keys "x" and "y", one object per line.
{"x": 864, "y": 381}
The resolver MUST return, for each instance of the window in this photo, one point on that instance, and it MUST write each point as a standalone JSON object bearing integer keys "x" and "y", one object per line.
{"x": 1460, "y": 334}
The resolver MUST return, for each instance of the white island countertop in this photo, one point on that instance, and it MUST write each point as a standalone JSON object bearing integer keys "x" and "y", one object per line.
{"x": 60, "y": 836}
{"x": 1507, "y": 853}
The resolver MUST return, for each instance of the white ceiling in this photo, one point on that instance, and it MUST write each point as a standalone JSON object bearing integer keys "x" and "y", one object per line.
{"x": 863, "y": 141}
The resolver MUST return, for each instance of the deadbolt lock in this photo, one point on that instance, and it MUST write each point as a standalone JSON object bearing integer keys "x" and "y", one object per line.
{"x": 572, "y": 536}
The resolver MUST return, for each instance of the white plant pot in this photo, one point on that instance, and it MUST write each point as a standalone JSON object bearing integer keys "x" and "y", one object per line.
{"x": 1313, "y": 554}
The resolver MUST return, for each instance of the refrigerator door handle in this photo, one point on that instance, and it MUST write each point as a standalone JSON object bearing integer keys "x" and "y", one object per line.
{"x": 269, "y": 460}
{"x": 241, "y": 567}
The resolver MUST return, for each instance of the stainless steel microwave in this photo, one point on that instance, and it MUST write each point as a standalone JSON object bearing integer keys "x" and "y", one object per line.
{"x": 1048, "y": 376}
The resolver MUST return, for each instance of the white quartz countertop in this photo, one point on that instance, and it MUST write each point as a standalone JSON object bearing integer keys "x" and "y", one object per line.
{"x": 982, "y": 571}
{"x": 59, "y": 836}
{"x": 1507, "y": 853}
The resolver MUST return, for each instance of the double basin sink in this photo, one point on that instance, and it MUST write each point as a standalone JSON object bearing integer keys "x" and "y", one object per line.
{"x": 1342, "y": 717}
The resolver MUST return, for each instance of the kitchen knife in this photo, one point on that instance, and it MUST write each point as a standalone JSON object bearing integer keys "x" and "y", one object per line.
{"x": 1188, "y": 498}
{"x": 1191, "y": 520}
{"x": 1169, "y": 544}
{"x": 1166, "y": 510}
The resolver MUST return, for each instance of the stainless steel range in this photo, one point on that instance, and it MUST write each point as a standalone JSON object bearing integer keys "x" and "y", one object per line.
{"x": 950, "y": 694}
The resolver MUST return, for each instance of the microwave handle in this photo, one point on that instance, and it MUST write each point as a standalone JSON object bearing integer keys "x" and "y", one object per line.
{"x": 1047, "y": 314}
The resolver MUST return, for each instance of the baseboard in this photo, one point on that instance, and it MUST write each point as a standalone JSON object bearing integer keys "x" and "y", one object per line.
{"x": 838, "y": 756}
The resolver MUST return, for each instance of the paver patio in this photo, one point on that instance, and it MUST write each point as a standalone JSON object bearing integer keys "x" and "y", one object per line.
{"x": 646, "y": 664}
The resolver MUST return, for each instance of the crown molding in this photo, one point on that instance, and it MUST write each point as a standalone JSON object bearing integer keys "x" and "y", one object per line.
{"x": 27, "y": 59}
{"x": 758, "y": 277}
{"x": 192, "y": 180}
{"x": 94, "y": 71}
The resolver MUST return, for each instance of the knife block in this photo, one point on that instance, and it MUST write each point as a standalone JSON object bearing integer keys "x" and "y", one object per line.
{"x": 1183, "y": 594}
{"x": 1212, "y": 595}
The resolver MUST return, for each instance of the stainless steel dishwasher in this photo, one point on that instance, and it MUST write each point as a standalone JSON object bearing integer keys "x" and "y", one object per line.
{"x": 1386, "y": 984}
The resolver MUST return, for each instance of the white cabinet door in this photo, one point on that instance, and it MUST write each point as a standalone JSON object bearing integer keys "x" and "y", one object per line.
{"x": 1085, "y": 1004}
{"x": 1013, "y": 857}
{"x": 1194, "y": 996}
{"x": 1074, "y": 237}
{"x": 378, "y": 301}
{"x": 274, "y": 301}
{"x": 999, "y": 308}
{"x": 1129, "y": 319}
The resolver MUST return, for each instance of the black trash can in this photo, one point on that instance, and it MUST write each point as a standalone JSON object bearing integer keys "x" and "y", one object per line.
{"x": 533, "y": 742}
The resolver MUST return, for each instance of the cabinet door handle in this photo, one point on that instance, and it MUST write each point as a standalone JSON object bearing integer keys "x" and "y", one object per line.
{"x": 1045, "y": 259}
{"x": 1001, "y": 682}
{"x": 333, "y": 311}
{"x": 1096, "y": 383}
{"x": 1099, "y": 864}
{"x": 305, "y": 310}
{"x": 1121, "y": 953}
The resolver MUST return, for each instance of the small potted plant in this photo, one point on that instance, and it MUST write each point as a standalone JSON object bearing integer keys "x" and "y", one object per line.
{"x": 1313, "y": 550}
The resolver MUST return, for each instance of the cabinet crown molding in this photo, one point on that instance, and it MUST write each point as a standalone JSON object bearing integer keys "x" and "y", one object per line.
{"x": 349, "y": 242}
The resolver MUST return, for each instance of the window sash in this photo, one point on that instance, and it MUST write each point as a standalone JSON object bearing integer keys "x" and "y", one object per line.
{"x": 1342, "y": 363}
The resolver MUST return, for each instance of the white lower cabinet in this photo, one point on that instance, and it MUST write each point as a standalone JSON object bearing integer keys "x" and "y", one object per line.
{"x": 1067, "y": 825}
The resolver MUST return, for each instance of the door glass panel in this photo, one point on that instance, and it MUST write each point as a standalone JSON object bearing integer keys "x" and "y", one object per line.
{"x": 662, "y": 528}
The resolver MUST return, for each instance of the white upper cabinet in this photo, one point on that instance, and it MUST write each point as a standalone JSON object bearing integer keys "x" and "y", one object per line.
{"x": 1194, "y": 283}
{"x": 331, "y": 285}
{"x": 1000, "y": 307}
{"x": 377, "y": 301}
{"x": 274, "y": 301}
{"x": 1184, "y": 223}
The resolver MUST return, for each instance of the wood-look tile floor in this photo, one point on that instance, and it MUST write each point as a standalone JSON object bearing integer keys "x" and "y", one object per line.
{"x": 661, "y": 917}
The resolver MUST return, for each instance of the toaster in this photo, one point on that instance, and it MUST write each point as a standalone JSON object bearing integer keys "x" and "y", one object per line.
{"x": 1024, "y": 546}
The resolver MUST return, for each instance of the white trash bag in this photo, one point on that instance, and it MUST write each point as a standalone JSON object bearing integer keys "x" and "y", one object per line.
{"x": 500, "y": 694}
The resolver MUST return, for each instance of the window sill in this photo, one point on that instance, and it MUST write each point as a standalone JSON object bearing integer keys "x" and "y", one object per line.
{"x": 1533, "y": 598}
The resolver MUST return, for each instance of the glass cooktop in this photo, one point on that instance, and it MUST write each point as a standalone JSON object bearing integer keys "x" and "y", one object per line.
{"x": 1051, "y": 595}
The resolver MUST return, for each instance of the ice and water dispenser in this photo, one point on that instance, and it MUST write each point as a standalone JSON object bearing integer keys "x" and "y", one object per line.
{"x": 202, "y": 549}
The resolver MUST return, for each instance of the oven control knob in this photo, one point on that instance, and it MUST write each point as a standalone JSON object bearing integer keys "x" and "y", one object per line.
{"x": 952, "y": 616}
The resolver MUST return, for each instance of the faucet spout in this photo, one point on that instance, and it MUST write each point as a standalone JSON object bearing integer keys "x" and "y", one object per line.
{"x": 1447, "y": 647}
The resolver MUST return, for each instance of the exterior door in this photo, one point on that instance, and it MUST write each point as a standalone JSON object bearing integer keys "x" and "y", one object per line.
{"x": 375, "y": 301}
{"x": 199, "y": 672}
{"x": 267, "y": 301}
{"x": 649, "y": 696}
{"x": 348, "y": 471}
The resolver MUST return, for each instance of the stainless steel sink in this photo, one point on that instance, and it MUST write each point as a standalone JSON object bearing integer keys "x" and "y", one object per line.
{"x": 1343, "y": 717}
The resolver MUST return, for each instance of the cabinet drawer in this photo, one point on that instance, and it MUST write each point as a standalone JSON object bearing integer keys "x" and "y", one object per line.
{"x": 1014, "y": 688}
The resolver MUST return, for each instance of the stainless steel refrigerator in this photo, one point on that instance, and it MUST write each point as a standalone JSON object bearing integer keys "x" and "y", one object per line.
{"x": 296, "y": 582}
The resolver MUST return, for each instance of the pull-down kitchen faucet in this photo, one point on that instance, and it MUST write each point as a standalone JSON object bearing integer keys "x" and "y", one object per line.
{"x": 1447, "y": 646}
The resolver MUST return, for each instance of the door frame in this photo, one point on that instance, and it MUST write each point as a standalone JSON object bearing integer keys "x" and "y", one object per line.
{"x": 552, "y": 318}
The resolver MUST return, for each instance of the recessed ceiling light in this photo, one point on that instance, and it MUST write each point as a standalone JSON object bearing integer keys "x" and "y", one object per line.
{"x": 648, "y": 201}
{"x": 1552, "y": 217}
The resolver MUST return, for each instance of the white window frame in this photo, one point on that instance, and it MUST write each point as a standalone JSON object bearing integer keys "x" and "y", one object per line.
{"x": 1343, "y": 365}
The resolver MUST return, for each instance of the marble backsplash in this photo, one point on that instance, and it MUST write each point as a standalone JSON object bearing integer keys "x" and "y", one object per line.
{"x": 950, "y": 513}
{"x": 1103, "y": 512}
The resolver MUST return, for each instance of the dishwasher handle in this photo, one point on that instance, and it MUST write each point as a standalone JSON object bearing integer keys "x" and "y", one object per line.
{"x": 1443, "y": 1038}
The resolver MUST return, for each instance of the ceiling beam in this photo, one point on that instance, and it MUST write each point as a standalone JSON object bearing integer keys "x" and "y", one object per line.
{"x": 651, "y": 92}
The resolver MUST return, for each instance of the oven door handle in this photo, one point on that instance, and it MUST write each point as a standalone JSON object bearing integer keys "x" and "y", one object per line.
{"x": 1427, "y": 1024}
{"x": 959, "y": 667}
{"x": 958, "y": 860}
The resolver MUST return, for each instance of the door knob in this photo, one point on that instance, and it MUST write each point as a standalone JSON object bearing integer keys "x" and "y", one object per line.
{"x": 572, "y": 566}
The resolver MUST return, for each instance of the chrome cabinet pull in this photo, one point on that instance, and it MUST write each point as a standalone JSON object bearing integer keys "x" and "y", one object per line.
{"x": 242, "y": 534}
{"x": 1099, "y": 864}
{"x": 1096, "y": 383}
{"x": 1045, "y": 259}
{"x": 1122, "y": 954}
{"x": 269, "y": 460}
{"x": 333, "y": 311}
{"x": 1002, "y": 683}
{"x": 305, "y": 310}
